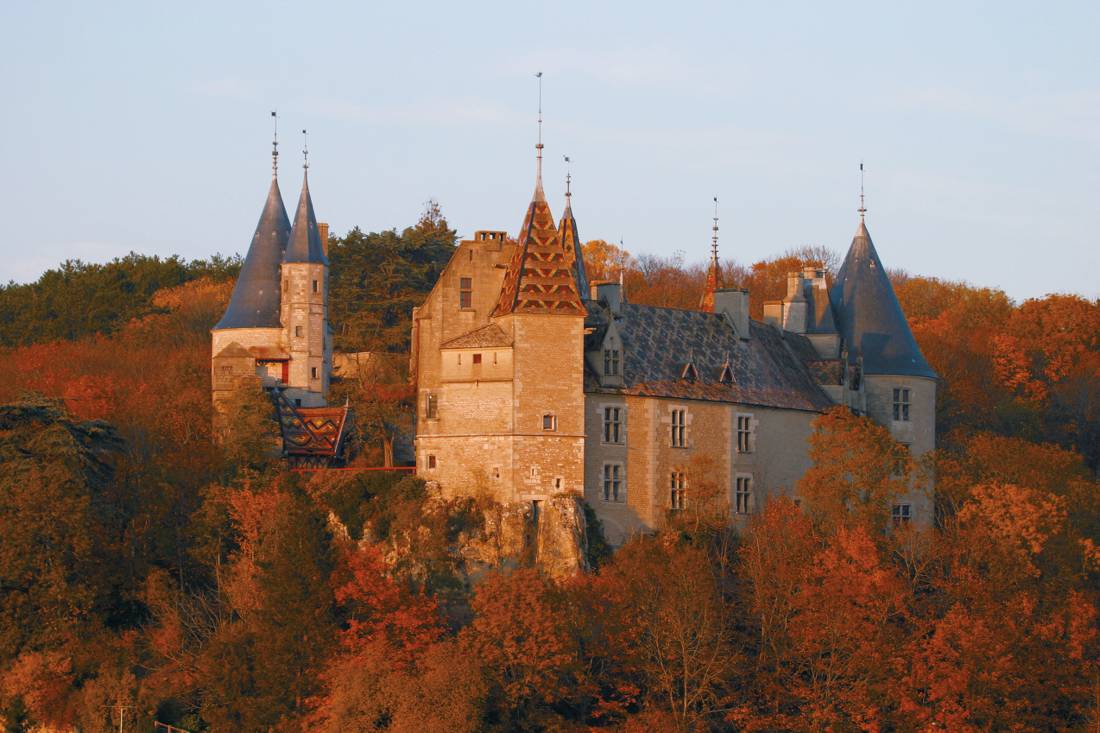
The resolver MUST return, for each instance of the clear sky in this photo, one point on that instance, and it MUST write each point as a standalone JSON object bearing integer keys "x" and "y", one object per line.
{"x": 145, "y": 126}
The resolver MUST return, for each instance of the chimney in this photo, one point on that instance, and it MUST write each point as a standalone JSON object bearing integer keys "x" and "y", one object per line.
{"x": 609, "y": 293}
{"x": 773, "y": 313}
{"x": 734, "y": 304}
{"x": 322, "y": 229}
{"x": 795, "y": 308}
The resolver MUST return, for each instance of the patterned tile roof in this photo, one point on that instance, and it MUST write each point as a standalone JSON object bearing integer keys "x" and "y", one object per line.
{"x": 311, "y": 431}
{"x": 571, "y": 241}
{"x": 484, "y": 337}
{"x": 769, "y": 369}
{"x": 539, "y": 278}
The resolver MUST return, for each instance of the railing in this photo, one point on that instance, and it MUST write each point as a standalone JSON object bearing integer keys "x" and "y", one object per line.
{"x": 159, "y": 726}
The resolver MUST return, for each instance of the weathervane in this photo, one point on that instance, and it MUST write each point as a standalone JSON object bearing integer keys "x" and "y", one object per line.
{"x": 305, "y": 150}
{"x": 862, "y": 208}
{"x": 538, "y": 147}
{"x": 275, "y": 145}
{"x": 568, "y": 178}
{"x": 714, "y": 235}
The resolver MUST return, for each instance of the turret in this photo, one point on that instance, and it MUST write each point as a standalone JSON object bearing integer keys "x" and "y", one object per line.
{"x": 305, "y": 306}
{"x": 571, "y": 241}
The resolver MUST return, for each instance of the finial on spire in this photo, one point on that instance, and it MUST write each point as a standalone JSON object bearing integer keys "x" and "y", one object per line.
{"x": 568, "y": 180}
{"x": 862, "y": 208}
{"x": 305, "y": 150}
{"x": 538, "y": 147}
{"x": 714, "y": 236}
{"x": 275, "y": 145}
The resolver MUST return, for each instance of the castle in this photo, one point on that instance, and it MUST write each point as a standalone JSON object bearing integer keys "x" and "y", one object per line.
{"x": 275, "y": 330}
{"x": 533, "y": 383}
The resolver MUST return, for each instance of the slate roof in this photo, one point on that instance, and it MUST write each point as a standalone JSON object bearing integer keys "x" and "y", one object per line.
{"x": 768, "y": 369}
{"x": 539, "y": 279}
{"x": 484, "y": 337}
{"x": 305, "y": 239}
{"x": 255, "y": 299}
{"x": 869, "y": 318}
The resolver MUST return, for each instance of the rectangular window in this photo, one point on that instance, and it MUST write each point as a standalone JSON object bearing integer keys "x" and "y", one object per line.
{"x": 742, "y": 495}
{"x": 431, "y": 407}
{"x": 900, "y": 514}
{"x": 465, "y": 292}
{"x": 477, "y": 358}
{"x": 611, "y": 362}
{"x": 431, "y": 461}
{"x": 679, "y": 428}
{"x": 612, "y": 425}
{"x": 313, "y": 373}
{"x": 677, "y": 491}
{"x": 549, "y": 421}
{"x": 744, "y": 433}
{"x": 315, "y": 286}
{"x": 614, "y": 488}
{"x": 298, "y": 331}
{"x": 902, "y": 462}
{"x": 901, "y": 404}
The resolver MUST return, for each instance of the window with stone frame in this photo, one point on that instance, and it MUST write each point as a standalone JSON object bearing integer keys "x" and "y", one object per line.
{"x": 431, "y": 461}
{"x": 678, "y": 436}
{"x": 614, "y": 482}
{"x": 901, "y": 514}
{"x": 742, "y": 494}
{"x": 677, "y": 498}
{"x": 611, "y": 362}
{"x": 431, "y": 406}
{"x": 746, "y": 431}
{"x": 549, "y": 421}
{"x": 465, "y": 292}
{"x": 901, "y": 404}
{"x": 613, "y": 425}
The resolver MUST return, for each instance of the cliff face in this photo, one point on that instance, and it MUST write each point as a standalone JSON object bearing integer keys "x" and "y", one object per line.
{"x": 560, "y": 547}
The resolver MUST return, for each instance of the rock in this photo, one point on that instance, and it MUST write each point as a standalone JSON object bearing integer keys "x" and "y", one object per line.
{"x": 560, "y": 548}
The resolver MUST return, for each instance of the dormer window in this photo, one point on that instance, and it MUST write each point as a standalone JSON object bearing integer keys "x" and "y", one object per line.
{"x": 611, "y": 362}
{"x": 690, "y": 373}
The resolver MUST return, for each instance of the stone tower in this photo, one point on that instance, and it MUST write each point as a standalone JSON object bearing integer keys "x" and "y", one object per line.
{"x": 304, "y": 312}
{"x": 888, "y": 378}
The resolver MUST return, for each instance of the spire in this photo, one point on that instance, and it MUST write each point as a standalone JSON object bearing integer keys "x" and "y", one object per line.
{"x": 275, "y": 145}
{"x": 305, "y": 240}
{"x": 539, "y": 195}
{"x": 714, "y": 270}
{"x": 862, "y": 208}
{"x": 869, "y": 317}
{"x": 570, "y": 239}
{"x": 255, "y": 299}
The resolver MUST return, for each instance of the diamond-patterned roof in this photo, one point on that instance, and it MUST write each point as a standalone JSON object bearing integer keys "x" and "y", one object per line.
{"x": 540, "y": 277}
{"x": 571, "y": 241}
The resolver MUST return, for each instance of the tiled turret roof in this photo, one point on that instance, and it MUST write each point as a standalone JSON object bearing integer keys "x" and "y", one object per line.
{"x": 571, "y": 241}
{"x": 255, "y": 299}
{"x": 870, "y": 319}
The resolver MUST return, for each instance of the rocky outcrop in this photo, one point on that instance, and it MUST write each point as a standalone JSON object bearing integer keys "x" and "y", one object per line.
{"x": 560, "y": 537}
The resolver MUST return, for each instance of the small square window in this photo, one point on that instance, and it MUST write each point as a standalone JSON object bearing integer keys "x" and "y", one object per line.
{"x": 477, "y": 358}
{"x": 900, "y": 513}
{"x": 431, "y": 461}
{"x": 297, "y": 402}
{"x": 549, "y": 421}
{"x": 298, "y": 331}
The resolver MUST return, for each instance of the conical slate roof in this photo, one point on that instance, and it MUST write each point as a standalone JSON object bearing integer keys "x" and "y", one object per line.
{"x": 540, "y": 277}
{"x": 305, "y": 240}
{"x": 255, "y": 299}
{"x": 571, "y": 241}
{"x": 870, "y": 319}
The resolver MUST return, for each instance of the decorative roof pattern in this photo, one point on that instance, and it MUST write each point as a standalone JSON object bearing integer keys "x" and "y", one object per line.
{"x": 870, "y": 319}
{"x": 768, "y": 370}
{"x": 255, "y": 299}
{"x": 485, "y": 337}
{"x": 540, "y": 277}
{"x": 571, "y": 242}
{"x": 311, "y": 431}
{"x": 305, "y": 239}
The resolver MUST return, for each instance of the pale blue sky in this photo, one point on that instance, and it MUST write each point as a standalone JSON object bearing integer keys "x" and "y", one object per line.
{"x": 145, "y": 126}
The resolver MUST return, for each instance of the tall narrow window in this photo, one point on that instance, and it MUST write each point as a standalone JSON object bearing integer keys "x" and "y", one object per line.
{"x": 744, "y": 433}
{"x": 313, "y": 373}
{"x": 298, "y": 331}
{"x": 900, "y": 514}
{"x": 677, "y": 491}
{"x": 611, "y": 362}
{"x": 431, "y": 407}
{"x": 465, "y": 292}
{"x": 315, "y": 286}
{"x": 901, "y": 404}
{"x": 614, "y": 489}
{"x": 612, "y": 425}
{"x": 742, "y": 494}
{"x": 431, "y": 461}
{"x": 679, "y": 423}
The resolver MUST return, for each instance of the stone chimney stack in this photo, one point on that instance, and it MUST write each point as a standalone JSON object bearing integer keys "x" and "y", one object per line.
{"x": 734, "y": 304}
{"x": 608, "y": 293}
{"x": 322, "y": 229}
{"x": 795, "y": 307}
